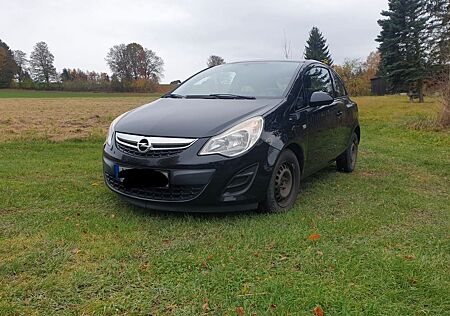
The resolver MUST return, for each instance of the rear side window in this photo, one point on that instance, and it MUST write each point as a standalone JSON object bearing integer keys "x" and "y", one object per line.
{"x": 318, "y": 79}
{"x": 338, "y": 86}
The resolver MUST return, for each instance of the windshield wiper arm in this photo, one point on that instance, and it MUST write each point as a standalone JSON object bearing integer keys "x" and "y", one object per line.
{"x": 173, "y": 95}
{"x": 231, "y": 96}
{"x": 200, "y": 96}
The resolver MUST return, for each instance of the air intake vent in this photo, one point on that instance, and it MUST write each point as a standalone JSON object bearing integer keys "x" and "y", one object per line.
{"x": 241, "y": 181}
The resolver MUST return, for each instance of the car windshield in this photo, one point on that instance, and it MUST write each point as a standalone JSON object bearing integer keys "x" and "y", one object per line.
{"x": 240, "y": 80}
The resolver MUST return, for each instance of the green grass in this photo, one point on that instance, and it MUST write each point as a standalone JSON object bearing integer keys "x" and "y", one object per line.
{"x": 17, "y": 93}
{"x": 70, "y": 246}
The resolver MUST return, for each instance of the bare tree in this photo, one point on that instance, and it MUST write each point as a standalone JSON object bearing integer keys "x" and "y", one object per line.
{"x": 214, "y": 60}
{"x": 41, "y": 63}
{"x": 117, "y": 61}
{"x": 153, "y": 65}
{"x": 22, "y": 65}
{"x": 286, "y": 47}
{"x": 132, "y": 61}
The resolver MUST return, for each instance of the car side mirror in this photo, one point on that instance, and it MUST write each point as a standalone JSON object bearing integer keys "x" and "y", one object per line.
{"x": 319, "y": 98}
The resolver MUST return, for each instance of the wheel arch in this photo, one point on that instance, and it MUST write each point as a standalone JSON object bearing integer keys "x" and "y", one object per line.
{"x": 298, "y": 151}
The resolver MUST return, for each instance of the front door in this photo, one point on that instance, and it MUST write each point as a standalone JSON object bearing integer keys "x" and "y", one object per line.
{"x": 321, "y": 120}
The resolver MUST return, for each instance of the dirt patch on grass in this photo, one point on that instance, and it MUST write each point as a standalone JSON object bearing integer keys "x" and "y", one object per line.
{"x": 61, "y": 119}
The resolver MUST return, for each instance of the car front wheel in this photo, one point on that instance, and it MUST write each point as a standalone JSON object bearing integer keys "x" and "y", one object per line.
{"x": 284, "y": 184}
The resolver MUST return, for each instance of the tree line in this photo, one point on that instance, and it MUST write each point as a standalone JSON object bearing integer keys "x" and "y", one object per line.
{"x": 134, "y": 69}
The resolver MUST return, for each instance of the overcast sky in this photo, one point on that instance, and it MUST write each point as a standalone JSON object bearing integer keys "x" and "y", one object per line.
{"x": 184, "y": 33}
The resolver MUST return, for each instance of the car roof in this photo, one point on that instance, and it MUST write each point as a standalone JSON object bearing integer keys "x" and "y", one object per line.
{"x": 303, "y": 63}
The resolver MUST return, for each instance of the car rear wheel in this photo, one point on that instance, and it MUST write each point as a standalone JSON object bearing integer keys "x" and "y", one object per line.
{"x": 346, "y": 162}
{"x": 284, "y": 184}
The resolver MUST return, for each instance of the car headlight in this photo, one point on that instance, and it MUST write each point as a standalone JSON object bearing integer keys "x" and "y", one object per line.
{"x": 236, "y": 140}
{"x": 109, "y": 137}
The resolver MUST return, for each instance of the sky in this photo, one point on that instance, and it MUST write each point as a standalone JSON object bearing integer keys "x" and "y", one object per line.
{"x": 184, "y": 33}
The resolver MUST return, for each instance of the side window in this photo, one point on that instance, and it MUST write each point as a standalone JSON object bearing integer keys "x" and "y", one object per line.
{"x": 339, "y": 86}
{"x": 318, "y": 79}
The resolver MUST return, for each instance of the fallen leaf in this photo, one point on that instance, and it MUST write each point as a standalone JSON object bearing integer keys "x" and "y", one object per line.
{"x": 271, "y": 245}
{"x": 113, "y": 215}
{"x": 75, "y": 251}
{"x": 94, "y": 184}
{"x": 240, "y": 311}
{"x": 412, "y": 281}
{"x": 245, "y": 288}
{"x": 205, "y": 306}
{"x": 209, "y": 257}
{"x": 314, "y": 237}
{"x": 318, "y": 311}
{"x": 319, "y": 253}
{"x": 410, "y": 257}
{"x": 273, "y": 306}
{"x": 283, "y": 258}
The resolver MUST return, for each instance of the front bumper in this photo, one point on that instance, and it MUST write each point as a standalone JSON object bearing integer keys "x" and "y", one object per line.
{"x": 197, "y": 183}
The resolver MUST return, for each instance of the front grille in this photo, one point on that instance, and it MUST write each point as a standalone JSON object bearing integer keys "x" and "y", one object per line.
{"x": 150, "y": 153}
{"x": 151, "y": 147}
{"x": 172, "y": 193}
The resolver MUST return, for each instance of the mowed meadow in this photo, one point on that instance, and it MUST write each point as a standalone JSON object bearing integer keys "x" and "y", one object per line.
{"x": 374, "y": 242}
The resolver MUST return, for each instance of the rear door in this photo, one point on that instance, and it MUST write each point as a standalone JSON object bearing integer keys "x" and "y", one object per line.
{"x": 345, "y": 116}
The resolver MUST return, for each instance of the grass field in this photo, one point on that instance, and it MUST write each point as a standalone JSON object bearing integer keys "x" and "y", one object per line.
{"x": 16, "y": 93}
{"x": 70, "y": 246}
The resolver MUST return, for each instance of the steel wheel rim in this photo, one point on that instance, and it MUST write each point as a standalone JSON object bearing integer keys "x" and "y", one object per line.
{"x": 284, "y": 183}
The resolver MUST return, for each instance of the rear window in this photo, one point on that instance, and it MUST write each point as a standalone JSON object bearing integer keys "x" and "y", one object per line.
{"x": 339, "y": 87}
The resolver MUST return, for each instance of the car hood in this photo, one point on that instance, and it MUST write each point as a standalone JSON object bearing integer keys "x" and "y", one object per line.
{"x": 193, "y": 118}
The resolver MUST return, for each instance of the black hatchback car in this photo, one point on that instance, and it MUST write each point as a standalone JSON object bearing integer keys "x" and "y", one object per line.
{"x": 233, "y": 137}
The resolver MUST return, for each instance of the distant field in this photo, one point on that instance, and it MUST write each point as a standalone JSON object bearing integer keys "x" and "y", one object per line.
{"x": 15, "y": 93}
{"x": 60, "y": 118}
{"x": 70, "y": 246}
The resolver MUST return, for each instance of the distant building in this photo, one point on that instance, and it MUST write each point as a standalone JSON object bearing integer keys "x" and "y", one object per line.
{"x": 378, "y": 86}
{"x": 175, "y": 82}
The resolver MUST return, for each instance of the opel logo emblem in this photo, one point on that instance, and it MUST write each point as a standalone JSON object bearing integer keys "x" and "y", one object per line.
{"x": 144, "y": 145}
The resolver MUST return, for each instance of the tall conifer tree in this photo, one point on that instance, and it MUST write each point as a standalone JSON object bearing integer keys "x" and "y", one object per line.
{"x": 317, "y": 47}
{"x": 403, "y": 45}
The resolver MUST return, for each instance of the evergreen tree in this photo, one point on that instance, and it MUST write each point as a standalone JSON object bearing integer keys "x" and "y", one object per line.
{"x": 317, "y": 47}
{"x": 438, "y": 33}
{"x": 403, "y": 45}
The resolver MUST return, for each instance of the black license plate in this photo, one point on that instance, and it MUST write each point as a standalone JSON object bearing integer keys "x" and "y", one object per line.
{"x": 141, "y": 178}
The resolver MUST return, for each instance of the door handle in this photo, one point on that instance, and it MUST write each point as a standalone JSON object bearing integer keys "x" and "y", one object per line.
{"x": 339, "y": 113}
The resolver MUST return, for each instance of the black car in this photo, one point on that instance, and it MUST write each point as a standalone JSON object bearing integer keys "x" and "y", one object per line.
{"x": 233, "y": 137}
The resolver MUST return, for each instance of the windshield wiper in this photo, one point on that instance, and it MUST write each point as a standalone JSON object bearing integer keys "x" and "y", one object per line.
{"x": 218, "y": 96}
{"x": 200, "y": 96}
{"x": 231, "y": 96}
{"x": 173, "y": 95}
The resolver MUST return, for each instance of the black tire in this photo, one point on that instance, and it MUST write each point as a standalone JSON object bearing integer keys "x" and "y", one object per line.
{"x": 346, "y": 162}
{"x": 284, "y": 184}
